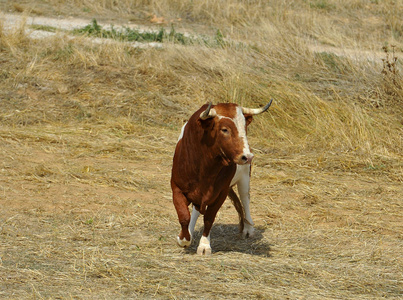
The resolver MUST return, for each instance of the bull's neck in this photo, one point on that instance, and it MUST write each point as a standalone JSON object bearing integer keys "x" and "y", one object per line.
{"x": 207, "y": 157}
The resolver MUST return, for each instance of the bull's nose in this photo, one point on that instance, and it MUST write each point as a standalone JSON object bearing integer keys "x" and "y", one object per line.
{"x": 247, "y": 158}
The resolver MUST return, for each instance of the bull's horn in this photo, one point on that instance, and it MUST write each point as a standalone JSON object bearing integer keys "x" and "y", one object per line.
{"x": 256, "y": 111}
{"x": 208, "y": 113}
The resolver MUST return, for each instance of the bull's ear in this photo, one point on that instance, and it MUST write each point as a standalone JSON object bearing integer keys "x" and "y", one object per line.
{"x": 206, "y": 123}
{"x": 206, "y": 118}
{"x": 248, "y": 119}
{"x": 208, "y": 113}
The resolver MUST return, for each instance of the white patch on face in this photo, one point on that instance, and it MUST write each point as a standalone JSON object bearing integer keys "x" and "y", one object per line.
{"x": 240, "y": 124}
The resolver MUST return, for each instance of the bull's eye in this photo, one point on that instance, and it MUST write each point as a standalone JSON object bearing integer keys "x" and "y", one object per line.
{"x": 224, "y": 130}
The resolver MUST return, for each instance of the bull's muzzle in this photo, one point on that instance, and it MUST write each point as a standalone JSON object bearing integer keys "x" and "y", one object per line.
{"x": 244, "y": 159}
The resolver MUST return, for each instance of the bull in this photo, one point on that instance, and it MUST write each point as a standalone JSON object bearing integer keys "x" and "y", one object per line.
{"x": 211, "y": 156}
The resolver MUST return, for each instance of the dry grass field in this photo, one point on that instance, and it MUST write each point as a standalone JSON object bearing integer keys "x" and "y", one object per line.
{"x": 88, "y": 130}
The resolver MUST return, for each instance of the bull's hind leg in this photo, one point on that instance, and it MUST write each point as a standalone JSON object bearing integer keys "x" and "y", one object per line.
{"x": 184, "y": 238}
{"x": 193, "y": 219}
{"x": 243, "y": 190}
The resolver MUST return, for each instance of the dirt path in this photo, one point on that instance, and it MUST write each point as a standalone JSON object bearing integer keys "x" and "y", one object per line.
{"x": 70, "y": 23}
{"x": 34, "y": 31}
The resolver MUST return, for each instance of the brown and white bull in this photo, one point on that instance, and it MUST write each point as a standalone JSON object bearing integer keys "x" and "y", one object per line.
{"x": 211, "y": 156}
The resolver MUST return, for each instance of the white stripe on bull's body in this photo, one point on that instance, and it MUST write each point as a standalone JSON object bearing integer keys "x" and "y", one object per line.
{"x": 182, "y": 131}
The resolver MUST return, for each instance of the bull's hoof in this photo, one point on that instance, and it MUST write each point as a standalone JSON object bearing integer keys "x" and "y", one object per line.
{"x": 204, "y": 246}
{"x": 184, "y": 242}
{"x": 248, "y": 231}
{"x": 204, "y": 250}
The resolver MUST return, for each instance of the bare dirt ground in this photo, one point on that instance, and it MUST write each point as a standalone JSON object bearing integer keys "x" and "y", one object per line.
{"x": 86, "y": 213}
{"x": 79, "y": 225}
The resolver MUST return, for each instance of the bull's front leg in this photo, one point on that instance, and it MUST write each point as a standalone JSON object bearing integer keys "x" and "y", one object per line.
{"x": 204, "y": 247}
{"x": 184, "y": 238}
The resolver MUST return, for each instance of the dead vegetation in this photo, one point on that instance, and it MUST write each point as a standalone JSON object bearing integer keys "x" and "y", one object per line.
{"x": 88, "y": 131}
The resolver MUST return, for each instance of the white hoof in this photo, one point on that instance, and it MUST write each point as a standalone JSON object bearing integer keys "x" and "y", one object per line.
{"x": 184, "y": 242}
{"x": 204, "y": 246}
{"x": 248, "y": 231}
{"x": 204, "y": 250}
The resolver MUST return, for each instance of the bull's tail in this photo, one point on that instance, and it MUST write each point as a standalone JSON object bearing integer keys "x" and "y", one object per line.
{"x": 238, "y": 206}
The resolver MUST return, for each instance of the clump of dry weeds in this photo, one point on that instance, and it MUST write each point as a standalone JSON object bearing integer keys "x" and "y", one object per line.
{"x": 393, "y": 82}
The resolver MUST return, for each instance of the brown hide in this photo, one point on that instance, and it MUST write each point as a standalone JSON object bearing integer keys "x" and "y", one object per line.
{"x": 204, "y": 164}
{"x": 201, "y": 170}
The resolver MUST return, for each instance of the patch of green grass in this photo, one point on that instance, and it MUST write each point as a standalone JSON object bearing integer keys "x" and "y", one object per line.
{"x": 160, "y": 36}
{"x": 133, "y": 35}
{"x": 333, "y": 62}
{"x": 372, "y": 167}
{"x": 64, "y": 53}
{"x": 43, "y": 28}
{"x": 89, "y": 221}
{"x": 321, "y": 4}
{"x": 219, "y": 39}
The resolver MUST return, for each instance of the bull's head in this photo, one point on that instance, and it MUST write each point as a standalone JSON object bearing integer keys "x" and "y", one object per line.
{"x": 225, "y": 126}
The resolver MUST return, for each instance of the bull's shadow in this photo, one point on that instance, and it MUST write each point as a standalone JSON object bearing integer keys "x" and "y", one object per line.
{"x": 227, "y": 238}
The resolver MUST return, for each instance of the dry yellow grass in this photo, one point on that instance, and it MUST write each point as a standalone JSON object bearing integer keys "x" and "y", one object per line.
{"x": 88, "y": 132}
